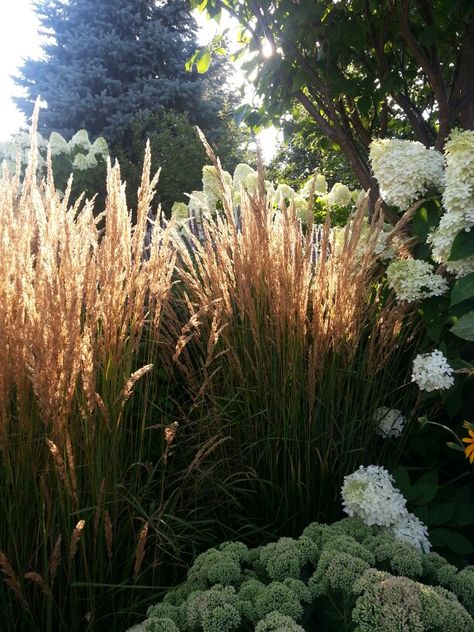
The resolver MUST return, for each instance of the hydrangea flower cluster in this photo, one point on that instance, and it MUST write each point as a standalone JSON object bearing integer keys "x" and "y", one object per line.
{"x": 432, "y": 372}
{"x": 405, "y": 170}
{"x": 410, "y": 529}
{"x": 413, "y": 279}
{"x": 339, "y": 195}
{"x": 370, "y": 495}
{"x": 458, "y": 200}
{"x": 245, "y": 178}
{"x": 390, "y": 421}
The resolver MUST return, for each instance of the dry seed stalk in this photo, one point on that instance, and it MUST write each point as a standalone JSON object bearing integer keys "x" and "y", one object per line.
{"x": 140, "y": 551}
{"x": 76, "y": 536}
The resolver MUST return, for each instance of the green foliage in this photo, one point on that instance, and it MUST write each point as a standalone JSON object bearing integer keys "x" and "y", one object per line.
{"x": 177, "y": 151}
{"x": 360, "y": 69}
{"x": 347, "y": 578}
{"x": 305, "y": 150}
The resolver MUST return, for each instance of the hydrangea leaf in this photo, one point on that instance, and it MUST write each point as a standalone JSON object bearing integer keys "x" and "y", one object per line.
{"x": 464, "y": 327}
{"x": 463, "y": 246}
{"x": 463, "y": 289}
{"x": 453, "y": 540}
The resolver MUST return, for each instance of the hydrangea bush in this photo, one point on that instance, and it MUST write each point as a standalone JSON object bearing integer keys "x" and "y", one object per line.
{"x": 86, "y": 161}
{"x": 346, "y": 577}
{"x": 245, "y": 179}
{"x": 443, "y": 237}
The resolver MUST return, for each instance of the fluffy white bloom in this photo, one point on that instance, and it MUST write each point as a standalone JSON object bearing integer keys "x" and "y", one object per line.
{"x": 83, "y": 162}
{"x": 197, "y": 203}
{"x": 458, "y": 200}
{"x": 179, "y": 211}
{"x": 369, "y": 494}
{"x": 211, "y": 186}
{"x": 413, "y": 279}
{"x": 58, "y": 144}
{"x": 405, "y": 170}
{"x": 284, "y": 193}
{"x": 390, "y": 421}
{"x": 241, "y": 171}
{"x": 410, "y": 529}
{"x": 431, "y": 371}
{"x": 317, "y": 183}
{"x": 339, "y": 195}
{"x": 80, "y": 141}
{"x": 100, "y": 147}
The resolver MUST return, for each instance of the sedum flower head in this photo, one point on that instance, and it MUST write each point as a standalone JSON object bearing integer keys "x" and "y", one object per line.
{"x": 369, "y": 494}
{"x": 339, "y": 195}
{"x": 277, "y": 622}
{"x": 413, "y": 279}
{"x": 390, "y": 421}
{"x": 432, "y": 372}
{"x": 410, "y": 529}
{"x": 405, "y": 170}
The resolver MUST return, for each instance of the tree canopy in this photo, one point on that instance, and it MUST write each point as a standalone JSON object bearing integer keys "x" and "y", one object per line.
{"x": 106, "y": 61}
{"x": 361, "y": 68}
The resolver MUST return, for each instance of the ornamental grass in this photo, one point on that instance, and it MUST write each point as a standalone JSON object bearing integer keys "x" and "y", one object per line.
{"x": 98, "y": 493}
{"x": 287, "y": 351}
{"x": 158, "y": 394}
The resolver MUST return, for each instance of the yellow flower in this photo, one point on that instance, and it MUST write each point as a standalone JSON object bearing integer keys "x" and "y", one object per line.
{"x": 469, "y": 450}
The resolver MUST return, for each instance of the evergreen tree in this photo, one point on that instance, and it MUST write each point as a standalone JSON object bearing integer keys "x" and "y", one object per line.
{"x": 105, "y": 61}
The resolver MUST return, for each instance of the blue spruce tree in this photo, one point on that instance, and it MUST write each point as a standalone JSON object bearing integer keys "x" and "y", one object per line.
{"x": 105, "y": 61}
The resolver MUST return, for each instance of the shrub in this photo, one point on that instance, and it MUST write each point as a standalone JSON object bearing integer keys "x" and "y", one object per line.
{"x": 345, "y": 578}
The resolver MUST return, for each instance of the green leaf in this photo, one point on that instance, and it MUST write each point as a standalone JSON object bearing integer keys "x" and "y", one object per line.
{"x": 441, "y": 514}
{"x": 203, "y": 62}
{"x": 463, "y": 514}
{"x": 463, "y": 289}
{"x": 463, "y": 246}
{"x": 453, "y": 540}
{"x": 454, "y": 446}
{"x": 464, "y": 327}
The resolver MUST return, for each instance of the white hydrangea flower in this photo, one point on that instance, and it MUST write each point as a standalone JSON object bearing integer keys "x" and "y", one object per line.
{"x": 58, "y": 144}
{"x": 458, "y": 200}
{"x": 339, "y": 195}
{"x": 369, "y": 494}
{"x": 284, "y": 194}
{"x": 211, "y": 186}
{"x": 82, "y": 162}
{"x": 179, "y": 211}
{"x": 413, "y": 279}
{"x": 80, "y": 141}
{"x": 317, "y": 183}
{"x": 198, "y": 203}
{"x": 405, "y": 170}
{"x": 432, "y": 372}
{"x": 100, "y": 147}
{"x": 241, "y": 171}
{"x": 410, "y": 529}
{"x": 390, "y": 421}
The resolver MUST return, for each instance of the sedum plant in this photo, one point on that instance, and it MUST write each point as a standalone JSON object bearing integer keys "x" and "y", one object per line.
{"x": 345, "y": 577}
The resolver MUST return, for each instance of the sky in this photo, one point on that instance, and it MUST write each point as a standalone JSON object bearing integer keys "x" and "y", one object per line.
{"x": 19, "y": 39}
